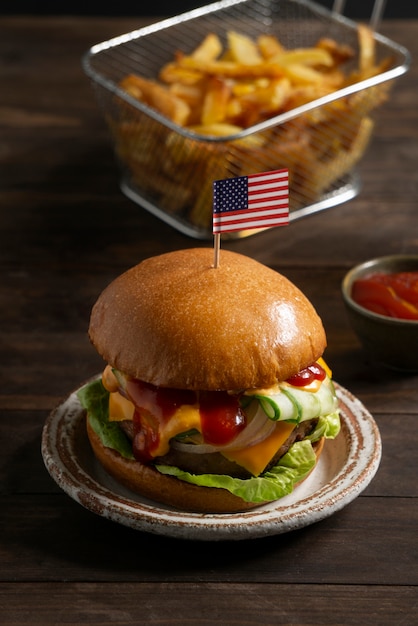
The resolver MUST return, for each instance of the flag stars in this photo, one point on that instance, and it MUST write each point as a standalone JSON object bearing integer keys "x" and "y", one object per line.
{"x": 231, "y": 194}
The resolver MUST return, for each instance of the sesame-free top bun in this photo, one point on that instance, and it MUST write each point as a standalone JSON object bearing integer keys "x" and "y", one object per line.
{"x": 176, "y": 321}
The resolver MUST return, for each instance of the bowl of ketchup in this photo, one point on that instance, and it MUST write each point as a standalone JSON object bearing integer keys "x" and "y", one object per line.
{"x": 381, "y": 299}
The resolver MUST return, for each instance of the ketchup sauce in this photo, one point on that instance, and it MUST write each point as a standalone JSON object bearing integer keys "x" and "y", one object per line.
{"x": 154, "y": 406}
{"x": 393, "y": 295}
{"x": 307, "y": 375}
{"x": 220, "y": 415}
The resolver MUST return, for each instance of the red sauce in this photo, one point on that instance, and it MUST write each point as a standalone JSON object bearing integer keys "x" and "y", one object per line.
{"x": 221, "y": 417}
{"x": 392, "y": 295}
{"x": 154, "y": 407}
{"x": 146, "y": 437}
{"x": 307, "y": 375}
{"x": 220, "y": 413}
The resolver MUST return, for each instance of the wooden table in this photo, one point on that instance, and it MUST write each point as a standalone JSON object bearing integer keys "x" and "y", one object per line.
{"x": 66, "y": 231}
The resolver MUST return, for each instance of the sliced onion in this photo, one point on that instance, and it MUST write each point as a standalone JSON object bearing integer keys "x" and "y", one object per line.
{"x": 195, "y": 448}
{"x": 257, "y": 430}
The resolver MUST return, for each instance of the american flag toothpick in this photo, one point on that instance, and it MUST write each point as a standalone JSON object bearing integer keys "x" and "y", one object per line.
{"x": 250, "y": 202}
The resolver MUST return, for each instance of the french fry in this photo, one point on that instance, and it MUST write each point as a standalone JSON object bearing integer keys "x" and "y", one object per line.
{"x": 173, "y": 73}
{"x": 191, "y": 94}
{"x": 209, "y": 49}
{"x": 231, "y": 69}
{"x": 215, "y": 101}
{"x": 243, "y": 49}
{"x": 367, "y": 59}
{"x": 158, "y": 97}
{"x": 304, "y": 56}
{"x": 341, "y": 53}
{"x": 269, "y": 46}
{"x": 300, "y": 74}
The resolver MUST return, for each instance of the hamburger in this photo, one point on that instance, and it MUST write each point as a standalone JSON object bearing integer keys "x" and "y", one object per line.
{"x": 215, "y": 396}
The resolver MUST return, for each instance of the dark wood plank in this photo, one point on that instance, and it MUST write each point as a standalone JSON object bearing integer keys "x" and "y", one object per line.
{"x": 371, "y": 542}
{"x": 171, "y": 604}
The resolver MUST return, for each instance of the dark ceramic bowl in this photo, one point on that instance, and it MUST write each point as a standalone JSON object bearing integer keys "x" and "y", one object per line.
{"x": 390, "y": 341}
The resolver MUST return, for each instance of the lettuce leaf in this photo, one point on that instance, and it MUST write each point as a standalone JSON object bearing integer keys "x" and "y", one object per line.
{"x": 272, "y": 485}
{"x": 95, "y": 399}
{"x": 328, "y": 426}
{"x": 277, "y": 482}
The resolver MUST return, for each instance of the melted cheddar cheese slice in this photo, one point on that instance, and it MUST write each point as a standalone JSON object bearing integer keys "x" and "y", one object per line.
{"x": 255, "y": 458}
{"x": 120, "y": 408}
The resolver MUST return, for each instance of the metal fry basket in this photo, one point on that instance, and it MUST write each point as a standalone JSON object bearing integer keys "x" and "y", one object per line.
{"x": 169, "y": 169}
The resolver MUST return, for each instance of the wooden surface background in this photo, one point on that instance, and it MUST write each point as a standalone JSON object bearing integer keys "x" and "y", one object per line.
{"x": 66, "y": 230}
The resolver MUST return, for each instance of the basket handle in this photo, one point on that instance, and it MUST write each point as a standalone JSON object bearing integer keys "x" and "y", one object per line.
{"x": 376, "y": 16}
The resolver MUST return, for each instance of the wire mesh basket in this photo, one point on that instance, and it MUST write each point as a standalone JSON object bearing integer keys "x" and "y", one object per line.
{"x": 168, "y": 167}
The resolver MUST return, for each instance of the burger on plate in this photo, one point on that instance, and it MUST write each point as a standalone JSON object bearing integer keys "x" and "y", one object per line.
{"x": 215, "y": 397}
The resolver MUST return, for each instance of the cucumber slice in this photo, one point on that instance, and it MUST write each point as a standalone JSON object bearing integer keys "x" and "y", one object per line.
{"x": 309, "y": 405}
{"x": 279, "y": 407}
{"x": 293, "y": 404}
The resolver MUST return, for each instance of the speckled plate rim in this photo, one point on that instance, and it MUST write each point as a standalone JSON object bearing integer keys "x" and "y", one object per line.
{"x": 346, "y": 467}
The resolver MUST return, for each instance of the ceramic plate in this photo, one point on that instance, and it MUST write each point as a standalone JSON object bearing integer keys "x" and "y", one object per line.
{"x": 346, "y": 466}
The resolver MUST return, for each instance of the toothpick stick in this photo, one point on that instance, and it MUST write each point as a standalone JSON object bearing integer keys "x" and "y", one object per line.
{"x": 216, "y": 249}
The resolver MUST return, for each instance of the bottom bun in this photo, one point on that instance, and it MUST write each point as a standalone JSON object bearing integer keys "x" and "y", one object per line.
{"x": 150, "y": 483}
